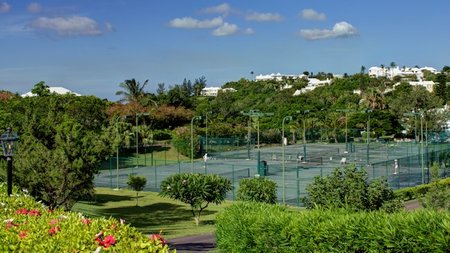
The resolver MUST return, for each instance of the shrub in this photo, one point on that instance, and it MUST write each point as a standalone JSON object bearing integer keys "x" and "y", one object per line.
{"x": 137, "y": 183}
{"x": 160, "y": 135}
{"x": 348, "y": 188}
{"x": 181, "y": 140}
{"x": 197, "y": 190}
{"x": 258, "y": 189}
{"x": 419, "y": 191}
{"x": 31, "y": 227}
{"x": 259, "y": 227}
{"x": 437, "y": 197}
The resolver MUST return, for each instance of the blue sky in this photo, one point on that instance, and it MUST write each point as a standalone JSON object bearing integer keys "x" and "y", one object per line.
{"x": 91, "y": 46}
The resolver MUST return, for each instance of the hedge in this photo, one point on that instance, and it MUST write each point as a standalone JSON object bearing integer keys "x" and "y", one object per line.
{"x": 29, "y": 226}
{"x": 419, "y": 191}
{"x": 259, "y": 227}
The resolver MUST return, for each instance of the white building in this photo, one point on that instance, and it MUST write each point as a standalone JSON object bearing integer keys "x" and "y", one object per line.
{"x": 391, "y": 72}
{"x": 312, "y": 84}
{"x": 56, "y": 90}
{"x": 277, "y": 77}
{"x": 213, "y": 91}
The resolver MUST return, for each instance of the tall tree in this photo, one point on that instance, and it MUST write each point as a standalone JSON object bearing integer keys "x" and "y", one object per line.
{"x": 41, "y": 89}
{"x": 62, "y": 146}
{"x": 440, "y": 89}
{"x": 133, "y": 91}
{"x": 199, "y": 84}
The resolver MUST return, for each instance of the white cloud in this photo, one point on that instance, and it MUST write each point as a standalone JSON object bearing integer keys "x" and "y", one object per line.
{"x": 255, "y": 16}
{"x": 34, "y": 8}
{"x": 222, "y": 9}
{"x": 192, "y": 23}
{"x": 340, "y": 30}
{"x": 225, "y": 29}
{"x": 69, "y": 26}
{"x": 4, "y": 7}
{"x": 310, "y": 14}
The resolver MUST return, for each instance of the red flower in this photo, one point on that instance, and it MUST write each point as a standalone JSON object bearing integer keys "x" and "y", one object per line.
{"x": 158, "y": 237}
{"x": 23, "y": 234}
{"x": 86, "y": 221}
{"x": 105, "y": 242}
{"x": 53, "y": 230}
{"x": 114, "y": 226}
{"x": 34, "y": 213}
{"x": 22, "y": 211}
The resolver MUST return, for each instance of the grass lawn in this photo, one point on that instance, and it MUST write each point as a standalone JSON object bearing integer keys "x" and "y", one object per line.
{"x": 154, "y": 213}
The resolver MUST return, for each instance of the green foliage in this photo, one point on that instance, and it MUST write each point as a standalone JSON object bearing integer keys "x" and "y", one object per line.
{"x": 31, "y": 227}
{"x": 197, "y": 190}
{"x": 438, "y": 194}
{"x": 41, "y": 89}
{"x": 259, "y": 227}
{"x": 348, "y": 188}
{"x": 417, "y": 192}
{"x": 61, "y": 146}
{"x": 259, "y": 189}
{"x": 437, "y": 197}
{"x": 181, "y": 140}
{"x": 137, "y": 183}
{"x": 160, "y": 135}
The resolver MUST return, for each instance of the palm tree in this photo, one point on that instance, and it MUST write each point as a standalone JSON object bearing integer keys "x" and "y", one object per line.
{"x": 374, "y": 99}
{"x": 132, "y": 91}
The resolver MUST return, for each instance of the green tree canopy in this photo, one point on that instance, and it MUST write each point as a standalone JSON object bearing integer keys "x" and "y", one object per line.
{"x": 197, "y": 190}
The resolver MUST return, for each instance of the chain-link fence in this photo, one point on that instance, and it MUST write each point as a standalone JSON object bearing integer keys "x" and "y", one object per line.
{"x": 402, "y": 163}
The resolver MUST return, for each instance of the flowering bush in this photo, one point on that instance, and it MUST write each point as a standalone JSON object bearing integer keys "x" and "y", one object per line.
{"x": 28, "y": 226}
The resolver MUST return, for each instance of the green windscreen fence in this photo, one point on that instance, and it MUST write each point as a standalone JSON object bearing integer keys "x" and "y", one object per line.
{"x": 403, "y": 162}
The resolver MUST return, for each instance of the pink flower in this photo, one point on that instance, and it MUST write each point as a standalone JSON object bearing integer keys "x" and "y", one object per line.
{"x": 86, "y": 221}
{"x": 52, "y": 231}
{"x": 53, "y": 222}
{"x": 158, "y": 237}
{"x": 122, "y": 221}
{"x": 34, "y": 213}
{"x": 22, "y": 211}
{"x": 23, "y": 234}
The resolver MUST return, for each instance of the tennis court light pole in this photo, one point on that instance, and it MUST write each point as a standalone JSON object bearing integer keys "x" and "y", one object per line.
{"x": 420, "y": 113}
{"x": 192, "y": 141}
{"x": 421, "y": 147}
{"x": 368, "y": 111}
{"x": 206, "y": 134}
{"x": 283, "y": 143}
{"x": 304, "y": 133}
{"x": 257, "y": 114}
{"x": 137, "y": 136}
{"x": 346, "y": 111}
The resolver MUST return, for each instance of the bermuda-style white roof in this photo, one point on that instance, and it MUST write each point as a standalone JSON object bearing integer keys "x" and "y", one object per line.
{"x": 57, "y": 90}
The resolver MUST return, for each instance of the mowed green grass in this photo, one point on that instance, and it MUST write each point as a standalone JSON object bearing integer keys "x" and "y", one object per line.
{"x": 154, "y": 213}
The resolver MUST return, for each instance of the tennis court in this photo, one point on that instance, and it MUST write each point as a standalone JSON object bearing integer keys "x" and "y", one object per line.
{"x": 402, "y": 163}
